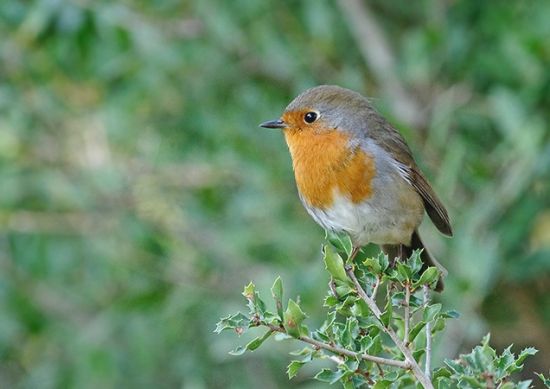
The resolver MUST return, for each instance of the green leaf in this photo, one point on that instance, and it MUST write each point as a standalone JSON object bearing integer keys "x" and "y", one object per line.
{"x": 350, "y": 365}
{"x": 382, "y": 384}
{"x": 365, "y": 342}
{"x": 545, "y": 381}
{"x": 471, "y": 383}
{"x": 350, "y": 384}
{"x": 384, "y": 261}
{"x": 255, "y": 303}
{"x": 372, "y": 265}
{"x": 329, "y": 322}
{"x": 404, "y": 272}
{"x": 504, "y": 362}
{"x": 428, "y": 277}
{"x": 439, "y": 325}
{"x": 452, "y": 314}
{"x": 431, "y": 311}
{"x": 277, "y": 293}
{"x": 417, "y": 354}
{"x": 334, "y": 264}
{"x": 485, "y": 340}
{"x": 293, "y": 368}
{"x": 327, "y": 375}
{"x": 341, "y": 241}
{"x": 257, "y": 342}
{"x": 344, "y": 308}
{"x": 443, "y": 383}
{"x": 252, "y": 345}
{"x": 249, "y": 291}
{"x": 349, "y": 333}
{"x": 376, "y": 347}
{"x": 330, "y": 301}
{"x": 455, "y": 366}
{"x": 416, "y": 330}
{"x": 235, "y": 321}
{"x": 343, "y": 290}
{"x": 304, "y": 351}
{"x": 441, "y": 372}
{"x": 524, "y": 354}
{"x": 387, "y": 314}
{"x": 415, "y": 262}
{"x": 398, "y": 299}
{"x": 294, "y": 316}
{"x": 240, "y": 350}
{"x": 524, "y": 384}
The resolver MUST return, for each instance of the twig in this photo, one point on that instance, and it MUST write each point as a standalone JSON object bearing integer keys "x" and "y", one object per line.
{"x": 347, "y": 353}
{"x": 366, "y": 357}
{"x": 407, "y": 314}
{"x": 427, "y": 367}
{"x": 380, "y": 59}
{"x": 336, "y": 359}
{"x": 332, "y": 286}
{"x": 375, "y": 289}
{"x": 420, "y": 376}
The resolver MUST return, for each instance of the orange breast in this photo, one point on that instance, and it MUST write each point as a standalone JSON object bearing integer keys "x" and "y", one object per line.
{"x": 323, "y": 163}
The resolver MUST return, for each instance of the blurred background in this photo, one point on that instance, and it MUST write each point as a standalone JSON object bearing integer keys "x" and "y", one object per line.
{"x": 138, "y": 195}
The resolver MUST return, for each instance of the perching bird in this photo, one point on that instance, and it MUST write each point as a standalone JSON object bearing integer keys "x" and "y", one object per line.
{"x": 356, "y": 174}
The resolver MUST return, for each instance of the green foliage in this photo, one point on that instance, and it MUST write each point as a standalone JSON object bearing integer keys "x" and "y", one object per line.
{"x": 359, "y": 340}
{"x": 545, "y": 380}
{"x": 483, "y": 368}
{"x": 137, "y": 192}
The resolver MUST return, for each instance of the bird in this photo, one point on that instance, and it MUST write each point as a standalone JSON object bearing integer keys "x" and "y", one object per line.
{"x": 356, "y": 174}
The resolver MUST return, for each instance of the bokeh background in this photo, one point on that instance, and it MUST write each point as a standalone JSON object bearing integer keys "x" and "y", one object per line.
{"x": 138, "y": 195}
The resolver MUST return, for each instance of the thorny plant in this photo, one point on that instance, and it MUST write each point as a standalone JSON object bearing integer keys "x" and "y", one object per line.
{"x": 378, "y": 330}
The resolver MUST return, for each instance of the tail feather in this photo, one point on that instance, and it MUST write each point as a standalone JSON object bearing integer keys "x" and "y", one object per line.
{"x": 403, "y": 252}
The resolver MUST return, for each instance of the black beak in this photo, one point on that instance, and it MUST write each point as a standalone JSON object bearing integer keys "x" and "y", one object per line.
{"x": 273, "y": 124}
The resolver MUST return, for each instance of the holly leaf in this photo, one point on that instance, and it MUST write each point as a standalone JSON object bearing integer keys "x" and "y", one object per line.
{"x": 334, "y": 264}
{"x": 293, "y": 368}
{"x": 277, "y": 293}
{"x": 294, "y": 316}
{"x": 252, "y": 345}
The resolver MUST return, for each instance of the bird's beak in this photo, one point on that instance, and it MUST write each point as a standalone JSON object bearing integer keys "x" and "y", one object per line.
{"x": 273, "y": 124}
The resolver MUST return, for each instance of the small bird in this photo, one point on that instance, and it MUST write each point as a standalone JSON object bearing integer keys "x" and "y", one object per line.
{"x": 356, "y": 174}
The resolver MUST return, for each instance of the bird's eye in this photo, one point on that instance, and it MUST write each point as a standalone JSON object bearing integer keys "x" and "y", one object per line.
{"x": 310, "y": 117}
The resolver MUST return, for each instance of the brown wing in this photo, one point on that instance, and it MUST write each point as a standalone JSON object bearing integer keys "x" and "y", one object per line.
{"x": 435, "y": 209}
{"x": 391, "y": 140}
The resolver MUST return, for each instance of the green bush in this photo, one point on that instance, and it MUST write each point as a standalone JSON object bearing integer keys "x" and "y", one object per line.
{"x": 374, "y": 347}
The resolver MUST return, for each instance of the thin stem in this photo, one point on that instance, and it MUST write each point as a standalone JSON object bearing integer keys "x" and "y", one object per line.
{"x": 427, "y": 366}
{"x": 366, "y": 357}
{"x": 379, "y": 57}
{"x": 345, "y": 352}
{"x": 420, "y": 376}
{"x": 375, "y": 289}
{"x": 407, "y": 314}
{"x": 335, "y": 359}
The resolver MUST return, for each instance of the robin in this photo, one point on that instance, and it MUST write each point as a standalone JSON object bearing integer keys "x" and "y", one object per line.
{"x": 356, "y": 174}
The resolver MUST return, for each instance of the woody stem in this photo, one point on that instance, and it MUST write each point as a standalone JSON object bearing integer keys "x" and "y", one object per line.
{"x": 417, "y": 371}
{"x": 407, "y": 314}
{"x": 348, "y": 353}
{"x": 427, "y": 363}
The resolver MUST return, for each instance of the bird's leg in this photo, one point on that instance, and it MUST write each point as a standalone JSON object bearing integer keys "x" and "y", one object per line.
{"x": 398, "y": 256}
{"x": 354, "y": 252}
{"x": 332, "y": 286}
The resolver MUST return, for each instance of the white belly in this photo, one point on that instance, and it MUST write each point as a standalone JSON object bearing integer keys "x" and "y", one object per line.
{"x": 381, "y": 220}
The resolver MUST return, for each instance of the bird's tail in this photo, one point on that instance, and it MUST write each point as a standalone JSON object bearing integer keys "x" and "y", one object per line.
{"x": 402, "y": 252}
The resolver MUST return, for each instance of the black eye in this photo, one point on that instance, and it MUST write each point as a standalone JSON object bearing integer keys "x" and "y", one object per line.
{"x": 310, "y": 117}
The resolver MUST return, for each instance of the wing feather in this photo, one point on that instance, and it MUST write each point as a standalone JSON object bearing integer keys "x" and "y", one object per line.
{"x": 389, "y": 139}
